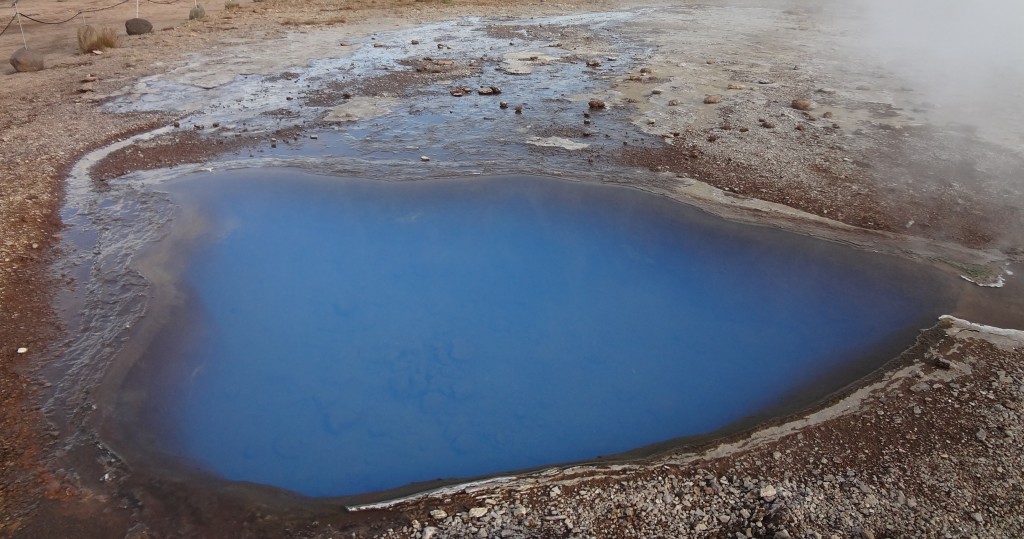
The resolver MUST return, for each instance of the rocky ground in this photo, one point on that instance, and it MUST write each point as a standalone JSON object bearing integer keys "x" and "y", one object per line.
{"x": 704, "y": 104}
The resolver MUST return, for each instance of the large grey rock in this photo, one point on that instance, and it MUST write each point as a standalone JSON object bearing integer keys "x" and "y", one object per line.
{"x": 137, "y": 27}
{"x": 27, "y": 60}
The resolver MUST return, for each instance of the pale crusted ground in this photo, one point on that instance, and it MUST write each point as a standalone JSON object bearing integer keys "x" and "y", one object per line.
{"x": 928, "y": 451}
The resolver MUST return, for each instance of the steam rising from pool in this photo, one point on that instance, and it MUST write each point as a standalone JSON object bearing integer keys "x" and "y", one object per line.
{"x": 350, "y": 336}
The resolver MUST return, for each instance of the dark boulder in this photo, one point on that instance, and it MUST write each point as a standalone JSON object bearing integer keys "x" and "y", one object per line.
{"x": 137, "y": 27}
{"x": 27, "y": 60}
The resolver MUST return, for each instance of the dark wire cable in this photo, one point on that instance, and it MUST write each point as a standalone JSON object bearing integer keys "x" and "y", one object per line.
{"x": 71, "y": 18}
{"x": 8, "y": 24}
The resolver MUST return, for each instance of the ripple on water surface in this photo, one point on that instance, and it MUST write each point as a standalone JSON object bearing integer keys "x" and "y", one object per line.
{"x": 350, "y": 336}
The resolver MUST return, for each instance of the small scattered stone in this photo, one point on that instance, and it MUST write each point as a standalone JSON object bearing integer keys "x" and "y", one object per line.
{"x": 782, "y": 534}
{"x": 919, "y": 387}
{"x": 176, "y": 124}
{"x": 673, "y": 103}
{"x": 415, "y": 42}
{"x": 477, "y": 512}
{"x": 826, "y": 91}
{"x": 981, "y": 435}
{"x": 943, "y": 363}
{"x": 736, "y": 86}
{"x": 594, "y": 63}
{"x": 25, "y": 60}
{"x": 215, "y": 124}
{"x": 866, "y": 534}
{"x": 314, "y": 137}
{"x": 22, "y": 350}
{"x": 768, "y": 492}
{"x": 429, "y": 532}
{"x": 802, "y": 104}
{"x": 978, "y": 517}
{"x": 646, "y": 70}
{"x": 712, "y": 100}
{"x": 196, "y": 13}
{"x": 657, "y": 91}
{"x": 438, "y": 514}
{"x": 519, "y": 109}
{"x": 86, "y": 88}
{"x": 503, "y": 105}
{"x": 595, "y": 104}
{"x": 344, "y": 44}
{"x": 827, "y": 115}
{"x": 424, "y": 158}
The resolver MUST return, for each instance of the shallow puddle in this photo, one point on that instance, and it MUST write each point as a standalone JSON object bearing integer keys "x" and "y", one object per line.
{"x": 340, "y": 336}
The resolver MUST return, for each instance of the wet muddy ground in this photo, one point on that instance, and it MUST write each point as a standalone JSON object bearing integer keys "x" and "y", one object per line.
{"x": 620, "y": 95}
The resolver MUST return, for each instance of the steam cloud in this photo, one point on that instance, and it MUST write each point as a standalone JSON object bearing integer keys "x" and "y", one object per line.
{"x": 967, "y": 56}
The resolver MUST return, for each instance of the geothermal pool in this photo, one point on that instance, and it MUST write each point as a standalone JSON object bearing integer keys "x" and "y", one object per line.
{"x": 346, "y": 336}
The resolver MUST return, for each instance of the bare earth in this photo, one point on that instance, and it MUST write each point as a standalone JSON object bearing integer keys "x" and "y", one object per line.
{"x": 929, "y": 448}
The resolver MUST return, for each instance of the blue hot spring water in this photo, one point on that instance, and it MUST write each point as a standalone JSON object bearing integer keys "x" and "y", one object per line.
{"x": 356, "y": 336}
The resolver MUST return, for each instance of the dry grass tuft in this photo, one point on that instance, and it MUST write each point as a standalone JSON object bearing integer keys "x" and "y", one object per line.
{"x": 90, "y": 39}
